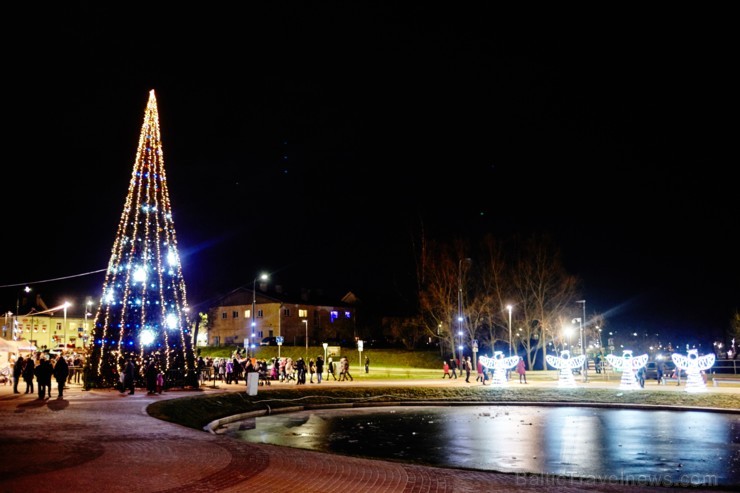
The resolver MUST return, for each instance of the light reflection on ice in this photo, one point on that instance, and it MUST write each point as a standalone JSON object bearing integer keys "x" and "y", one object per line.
{"x": 577, "y": 441}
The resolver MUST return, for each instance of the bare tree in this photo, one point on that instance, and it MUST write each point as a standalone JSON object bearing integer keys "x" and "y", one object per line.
{"x": 438, "y": 292}
{"x": 545, "y": 294}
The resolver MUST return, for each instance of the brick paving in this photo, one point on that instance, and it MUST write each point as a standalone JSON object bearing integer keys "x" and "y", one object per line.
{"x": 101, "y": 440}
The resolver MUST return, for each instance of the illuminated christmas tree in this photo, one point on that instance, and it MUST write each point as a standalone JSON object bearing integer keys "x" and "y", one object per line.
{"x": 143, "y": 307}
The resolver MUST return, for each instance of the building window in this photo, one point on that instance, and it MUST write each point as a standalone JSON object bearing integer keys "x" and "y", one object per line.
{"x": 247, "y": 313}
{"x": 302, "y": 313}
{"x": 224, "y": 315}
{"x": 235, "y": 314}
{"x": 347, "y": 315}
{"x": 259, "y": 313}
{"x": 286, "y": 312}
{"x": 333, "y": 315}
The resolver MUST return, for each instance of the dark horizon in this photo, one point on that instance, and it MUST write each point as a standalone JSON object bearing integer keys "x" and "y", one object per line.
{"x": 314, "y": 142}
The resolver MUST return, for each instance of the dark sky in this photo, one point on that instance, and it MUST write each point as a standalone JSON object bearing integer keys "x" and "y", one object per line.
{"x": 313, "y": 141}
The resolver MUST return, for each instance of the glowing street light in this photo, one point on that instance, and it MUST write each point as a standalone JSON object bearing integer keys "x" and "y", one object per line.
{"x": 262, "y": 277}
{"x": 460, "y": 317}
{"x": 67, "y": 304}
{"x": 18, "y": 308}
{"x": 305, "y": 322}
{"x": 509, "y": 307}
{"x": 583, "y": 347}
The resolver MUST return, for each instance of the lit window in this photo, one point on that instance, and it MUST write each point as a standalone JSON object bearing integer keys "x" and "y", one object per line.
{"x": 302, "y": 313}
{"x": 334, "y": 314}
{"x": 347, "y": 315}
{"x": 247, "y": 313}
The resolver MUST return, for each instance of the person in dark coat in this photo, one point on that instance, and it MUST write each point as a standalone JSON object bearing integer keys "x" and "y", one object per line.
{"x": 129, "y": 376}
{"x": 17, "y": 372}
{"x": 150, "y": 374}
{"x": 61, "y": 372}
{"x": 28, "y": 374}
{"x": 43, "y": 373}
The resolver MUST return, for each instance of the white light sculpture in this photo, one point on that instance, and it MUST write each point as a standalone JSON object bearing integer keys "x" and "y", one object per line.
{"x": 499, "y": 364}
{"x": 565, "y": 364}
{"x": 693, "y": 365}
{"x": 628, "y": 365}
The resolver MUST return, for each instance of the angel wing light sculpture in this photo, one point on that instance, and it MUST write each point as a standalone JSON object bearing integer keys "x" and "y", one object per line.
{"x": 628, "y": 365}
{"x": 499, "y": 364}
{"x": 565, "y": 363}
{"x": 693, "y": 365}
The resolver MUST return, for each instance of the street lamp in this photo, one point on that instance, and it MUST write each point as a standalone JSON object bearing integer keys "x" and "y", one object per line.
{"x": 18, "y": 307}
{"x": 305, "y": 322}
{"x": 64, "y": 329}
{"x": 568, "y": 331}
{"x": 459, "y": 298}
{"x": 509, "y": 307}
{"x": 460, "y": 333}
{"x": 583, "y": 348}
{"x": 262, "y": 277}
{"x": 326, "y": 346}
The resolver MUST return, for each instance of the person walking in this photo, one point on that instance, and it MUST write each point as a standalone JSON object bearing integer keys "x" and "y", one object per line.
{"x": 311, "y": 369}
{"x": 129, "y": 376}
{"x": 446, "y": 370}
{"x": 521, "y": 369}
{"x": 330, "y": 370}
{"x": 319, "y": 368}
{"x": 453, "y": 368}
{"x": 367, "y": 364}
{"x": 345, "y": 369}
{"x": 61, "y": 372}
{"x": 468, "y": 368}
{"x": 479, "y": 370}
{"x": 28, "y": 374}
{"x": 17, "y": 372}
{"x": 43, "y": 373}
{"x": 150, "y": 375}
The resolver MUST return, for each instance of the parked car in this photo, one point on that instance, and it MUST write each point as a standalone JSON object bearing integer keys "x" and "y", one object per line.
{"x": 268, "y": 341}
{"x": 651, "y": 370}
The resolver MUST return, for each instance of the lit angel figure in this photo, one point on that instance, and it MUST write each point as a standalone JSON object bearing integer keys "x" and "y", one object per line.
{"x": 693, "y": 365}
{"x": 565, "y": 364}
{"x": 499, "y": 364}
{"x": 628, "y": 365}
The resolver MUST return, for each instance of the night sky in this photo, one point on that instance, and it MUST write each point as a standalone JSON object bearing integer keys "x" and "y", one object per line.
{"x": 314, "y": 141}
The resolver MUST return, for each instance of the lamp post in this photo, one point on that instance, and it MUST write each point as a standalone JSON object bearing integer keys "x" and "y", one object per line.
{"x": 305, "y": 322}
{"x": 583, "y": 347}
{"x": 326, "y": 345}
{"x": 460, "y": 333}
{"x": 85, "y": 333}
{"x": 568, "y": 332}
{"x": 64, "y": 328}
{"x": 509, "y": 307}
{"x": 18, "y": 308}
{"x": 460, "y": 317}
{"x": 262, "y": 277}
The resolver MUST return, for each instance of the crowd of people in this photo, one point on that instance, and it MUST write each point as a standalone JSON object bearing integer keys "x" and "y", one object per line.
{"x": 40, "y": 368}
{"x": 235, "y": 369}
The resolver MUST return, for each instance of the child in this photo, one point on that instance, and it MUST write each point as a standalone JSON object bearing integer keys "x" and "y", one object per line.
{"x": 160, "y": 382}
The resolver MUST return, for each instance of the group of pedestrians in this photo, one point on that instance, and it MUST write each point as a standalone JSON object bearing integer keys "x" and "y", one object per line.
{"x": 449, "y": 370}
{"x": 45, "y": 368}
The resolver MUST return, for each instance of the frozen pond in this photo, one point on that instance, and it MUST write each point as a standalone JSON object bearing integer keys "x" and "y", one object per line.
{"x": 666, "y": 447}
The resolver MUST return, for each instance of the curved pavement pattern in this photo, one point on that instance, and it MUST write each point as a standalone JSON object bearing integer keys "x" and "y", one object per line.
{"x": 105, "y": 441}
